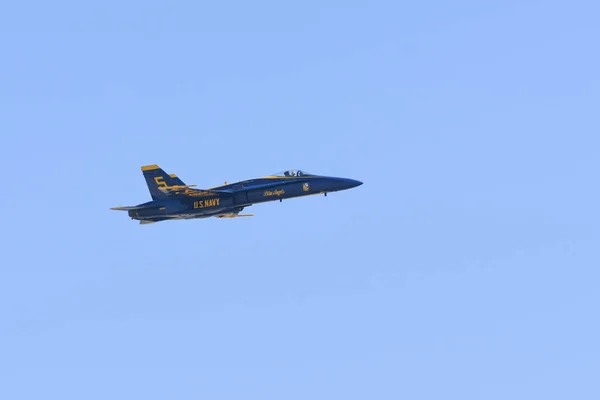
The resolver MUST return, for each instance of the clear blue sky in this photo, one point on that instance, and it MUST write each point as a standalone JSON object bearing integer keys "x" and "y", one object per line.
{"x": 465, "y": 267}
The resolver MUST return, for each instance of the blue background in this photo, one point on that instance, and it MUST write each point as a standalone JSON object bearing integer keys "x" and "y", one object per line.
{"x": 465, "y": 267}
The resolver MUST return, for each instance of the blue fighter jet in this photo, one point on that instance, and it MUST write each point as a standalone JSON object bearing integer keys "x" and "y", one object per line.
{"x": 173, "y": 199}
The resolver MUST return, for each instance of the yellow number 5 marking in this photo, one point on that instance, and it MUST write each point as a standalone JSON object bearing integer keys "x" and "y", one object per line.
{"x": 160, "y": 182}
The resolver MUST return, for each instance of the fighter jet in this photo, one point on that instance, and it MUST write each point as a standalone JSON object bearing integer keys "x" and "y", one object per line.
{"x": 172, "y": 199}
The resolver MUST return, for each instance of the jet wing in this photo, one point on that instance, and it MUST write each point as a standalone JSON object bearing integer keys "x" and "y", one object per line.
{"x": 172, "y": 189}
{"x": 175, "y": 188}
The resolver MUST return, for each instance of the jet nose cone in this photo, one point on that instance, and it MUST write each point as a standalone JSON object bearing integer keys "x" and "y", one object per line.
{"x": 335, "y": 184}
{"x": 349, "y": 183}
{"x": 354, "y": 183}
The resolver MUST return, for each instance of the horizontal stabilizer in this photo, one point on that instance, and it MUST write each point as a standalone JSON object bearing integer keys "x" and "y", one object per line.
{"x": 140, "y": 207}
{"x": 128, "y": 208}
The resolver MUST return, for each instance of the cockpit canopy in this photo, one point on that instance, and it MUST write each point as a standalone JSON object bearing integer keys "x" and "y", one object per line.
{"x": 293, "y": 172}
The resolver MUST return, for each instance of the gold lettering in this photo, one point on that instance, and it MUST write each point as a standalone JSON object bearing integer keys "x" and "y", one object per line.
{"x": 212, "y": 202}
{"x": 207, "y": 203}
{"x": 160, "y": 182}
{"x": 278, "y": 192}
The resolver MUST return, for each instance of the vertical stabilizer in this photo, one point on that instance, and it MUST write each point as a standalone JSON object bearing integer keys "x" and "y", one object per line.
{"x": 155, "y": 179}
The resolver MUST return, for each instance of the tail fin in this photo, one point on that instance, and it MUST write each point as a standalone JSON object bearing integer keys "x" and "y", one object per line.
{"x": 156, "y": 178}
{"x": 173, "y": 180}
